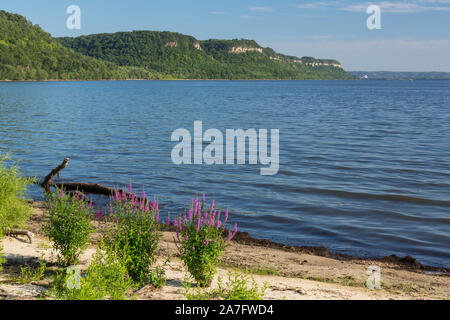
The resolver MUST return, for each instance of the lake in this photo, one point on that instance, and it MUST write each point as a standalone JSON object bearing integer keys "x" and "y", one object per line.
{"x": 364, "y": 165}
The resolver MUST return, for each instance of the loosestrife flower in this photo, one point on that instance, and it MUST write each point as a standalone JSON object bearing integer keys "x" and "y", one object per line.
{"x": 199, "y": 221}
{"x": 99, "y": 214}
{"x": 168, "y": 219}
{"x": 226, "y": 217}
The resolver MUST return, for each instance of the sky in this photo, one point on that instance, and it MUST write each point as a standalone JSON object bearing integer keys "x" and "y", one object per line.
{"x": 414, "y": 35}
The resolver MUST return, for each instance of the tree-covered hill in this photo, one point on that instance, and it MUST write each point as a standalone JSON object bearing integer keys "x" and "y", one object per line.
{"x": 29, "y": 53}
{"x": 183, "y": 56}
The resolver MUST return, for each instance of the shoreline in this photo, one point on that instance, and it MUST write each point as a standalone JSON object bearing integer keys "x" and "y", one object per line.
{"x": 406, "y": 262}
{"x": 293, "y": 273}
{"x": 92, "y": 80}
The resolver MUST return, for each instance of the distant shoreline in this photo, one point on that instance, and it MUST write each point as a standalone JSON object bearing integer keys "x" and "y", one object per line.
{"x": 93, "y": 80}
{"x": 79, "y": 80}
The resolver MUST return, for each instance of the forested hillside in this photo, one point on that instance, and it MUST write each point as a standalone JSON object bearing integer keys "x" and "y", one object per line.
{"x": 183, "y": 56}
{"x": 29, "y": 53}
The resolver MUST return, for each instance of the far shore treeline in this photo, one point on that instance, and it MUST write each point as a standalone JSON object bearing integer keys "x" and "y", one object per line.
{"x": 29, "y": 53}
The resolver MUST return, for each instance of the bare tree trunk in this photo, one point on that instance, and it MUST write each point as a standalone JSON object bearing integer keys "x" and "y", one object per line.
{"x": 48, "y": 179}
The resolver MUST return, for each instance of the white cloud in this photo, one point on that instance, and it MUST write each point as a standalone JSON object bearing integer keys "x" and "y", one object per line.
{"x": 246, "y": 16}
{"x": 386, "y": 6}
{"x": 397, "y": 7}
{"x": 315, "y": 5}
{"x": 260, "y": 9}
{"x": 217, "y": 12}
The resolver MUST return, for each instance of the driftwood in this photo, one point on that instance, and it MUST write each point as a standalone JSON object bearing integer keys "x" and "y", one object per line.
{"x": 93, "y": 188}
{"x": 20, "y": 232}
{"x": 48, "y": 179}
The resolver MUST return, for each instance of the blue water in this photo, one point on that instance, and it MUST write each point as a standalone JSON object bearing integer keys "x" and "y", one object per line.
{"x": 364, "y": 165}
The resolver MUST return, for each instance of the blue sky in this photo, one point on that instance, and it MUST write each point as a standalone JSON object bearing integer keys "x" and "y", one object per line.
{"x": 415, "y": 35}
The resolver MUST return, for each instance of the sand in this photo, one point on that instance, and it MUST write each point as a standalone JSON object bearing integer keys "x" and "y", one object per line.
{"x": 290, "y": 275}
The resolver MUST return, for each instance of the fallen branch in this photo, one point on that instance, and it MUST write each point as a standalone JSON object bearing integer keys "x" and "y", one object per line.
{"x": 86, "y": 188}
{"x": 19, "y": 232}
{"x": 93, "y": 188}
{"x": 48, "y": 179}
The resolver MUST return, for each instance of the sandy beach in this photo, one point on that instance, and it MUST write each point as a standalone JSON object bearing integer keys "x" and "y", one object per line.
{"x": 290, "y": 274}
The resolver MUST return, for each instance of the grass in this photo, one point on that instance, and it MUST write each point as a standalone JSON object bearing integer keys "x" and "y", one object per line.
{"x": 348, "y": 281}
{"x": 14, "y": 210}
{"x": 30, "y": 274}
{"x": 264, "y": 271}
{"x": 238, "y": 287}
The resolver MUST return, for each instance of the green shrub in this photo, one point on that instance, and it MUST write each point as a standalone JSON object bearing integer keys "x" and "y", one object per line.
{"x": 68, "y": 225}
{"x": 14, "y": 210}
{"x": 236, "y": 288}
{"x": 29, "y": 274}
{"x": 2, "y": 260}
{"x": 134, "y": 233}
{"x": 157, "y": 277}
{"x": 201, "y": 240}
{"x": 105, "y": 279}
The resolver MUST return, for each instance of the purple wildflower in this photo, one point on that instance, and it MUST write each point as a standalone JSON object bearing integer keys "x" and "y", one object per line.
{"x": 199, "y": 221}
{"x": 196, "y": 206}
{"x": 226, "y": 217}
{"x": 207, "y": 241}
{"x": 168, "y": 219}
